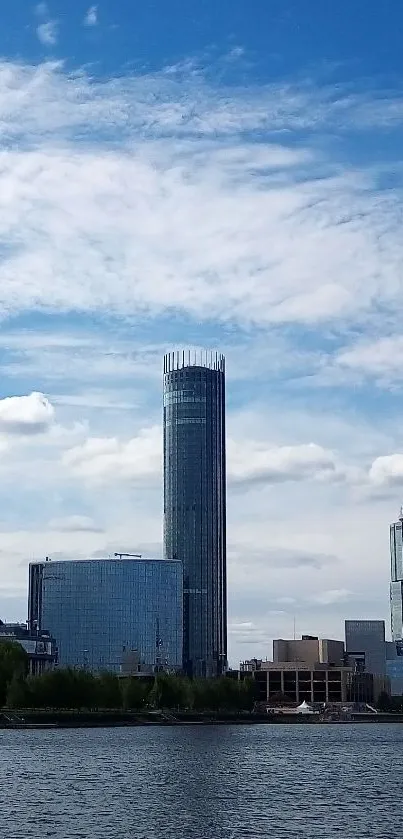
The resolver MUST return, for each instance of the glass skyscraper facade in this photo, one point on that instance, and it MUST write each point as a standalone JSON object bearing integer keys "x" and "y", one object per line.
{"x": 101, "y": 610}
{"x": 365, "y": 642}
{"x": 396, "y": 578}
{"x": 195, "y": 504}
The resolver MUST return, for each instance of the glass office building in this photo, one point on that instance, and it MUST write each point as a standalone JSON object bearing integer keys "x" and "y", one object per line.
{"x": 394, "y": 666}
{"x": 396, "y": 578}
{"x": 194, "y": 502}
{"x": 102, "y": 610}
{"x": 365, "y": 642}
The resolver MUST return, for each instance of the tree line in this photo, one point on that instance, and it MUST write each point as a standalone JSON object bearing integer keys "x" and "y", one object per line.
{"x": 80, "y": 689}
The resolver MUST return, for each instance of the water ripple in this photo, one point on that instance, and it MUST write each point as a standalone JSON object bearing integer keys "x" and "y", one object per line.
{"x": 229, "y": 782}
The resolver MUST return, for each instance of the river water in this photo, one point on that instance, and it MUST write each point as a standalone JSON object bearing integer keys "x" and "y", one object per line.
{"x": 223, "y": 782}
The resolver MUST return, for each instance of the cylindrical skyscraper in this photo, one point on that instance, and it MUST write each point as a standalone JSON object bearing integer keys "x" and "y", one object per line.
{"x": 396, "y": 577}
{"x": 194, "y": 502}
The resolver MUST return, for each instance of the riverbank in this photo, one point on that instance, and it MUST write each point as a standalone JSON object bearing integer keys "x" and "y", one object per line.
{"x": 34, "y": 719}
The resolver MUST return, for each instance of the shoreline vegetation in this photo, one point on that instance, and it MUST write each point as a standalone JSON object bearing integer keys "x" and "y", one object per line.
{"x": 78, "y": 698}
{"x": 80, "y": 690}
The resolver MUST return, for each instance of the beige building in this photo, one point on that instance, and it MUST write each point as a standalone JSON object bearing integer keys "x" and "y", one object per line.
{"x": 299, "y": 682}
{"x": 309, "y": 650}
{"x": 311, "y": 670}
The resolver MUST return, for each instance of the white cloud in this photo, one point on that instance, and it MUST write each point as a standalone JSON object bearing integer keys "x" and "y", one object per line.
{"x": 328, "y": 598}
{"x": 48, "y": 33}
{"x": 164, "y": 207}
{"x": 380, "y": 358}
{"x": 91, "y": 18}
{"x": 109, "y": 459}
{"x": 74, "y": 524}
{"x": 162, "y": 194}
{"x": 387, "y": 470}
{"x": 28, "y": 415}
{"x": 250, "y": 462}
{"x": 266, "y": 559}
{"x": 41, "y": 9}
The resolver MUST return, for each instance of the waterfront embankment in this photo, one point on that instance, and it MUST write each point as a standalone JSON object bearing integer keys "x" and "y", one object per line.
{"x": 48, "y": 718}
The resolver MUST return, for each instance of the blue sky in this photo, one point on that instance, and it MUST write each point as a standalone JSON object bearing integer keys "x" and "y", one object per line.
{"x": 213, "y": 176}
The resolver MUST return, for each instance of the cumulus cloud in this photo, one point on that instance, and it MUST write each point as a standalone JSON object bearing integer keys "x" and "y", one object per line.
{"x": 26, "y": 415}
{"x": 91, "y": 18}
{"x": 48, "y": 33}
{"x": 248, "y": 462}
{"x": 380, "y": 358}
{"x": 110, "y": 459}
{"x": 387, "y": 470}
{"x": 251, "y": 463}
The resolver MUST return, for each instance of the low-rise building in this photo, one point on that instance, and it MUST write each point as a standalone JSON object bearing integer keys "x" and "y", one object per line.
{"x": 299, "y": 682}
{"x": 39, "y": 645}
{"x": 320, "y": 684}
{"x": 314, "y": 671}
{"x": 250, "y": 665}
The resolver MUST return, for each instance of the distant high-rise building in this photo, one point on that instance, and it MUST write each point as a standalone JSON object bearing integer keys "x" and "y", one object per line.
{"x": 194, "y": 502}
{"x": 365, "y": 646}
{"x": 105, "y": 612}
{"x": 396, "y": 578}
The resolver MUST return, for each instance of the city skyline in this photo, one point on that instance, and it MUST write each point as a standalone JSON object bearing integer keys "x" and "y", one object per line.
{"x": 205, "y": 177}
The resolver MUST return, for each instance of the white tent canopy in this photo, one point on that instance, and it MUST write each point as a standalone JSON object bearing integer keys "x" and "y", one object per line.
{"x": 304, "y": 708}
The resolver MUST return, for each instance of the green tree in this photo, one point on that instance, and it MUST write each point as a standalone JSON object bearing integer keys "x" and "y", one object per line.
{"x": 108, "y": 691}
{"x": 249, "y": 694}
{"x": 224, "y": 694}
{"x": 170, "y": 692}
{"x": 64, "y": 689}
{"x": 18, "y": 693}
{"x": 135, "y": 693}
{"x": 13, "y": 660}
{"x": 206, "y": 694}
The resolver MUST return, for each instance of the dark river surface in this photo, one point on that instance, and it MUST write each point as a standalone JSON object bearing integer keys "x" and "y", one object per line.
{"x": 223, "y": 782}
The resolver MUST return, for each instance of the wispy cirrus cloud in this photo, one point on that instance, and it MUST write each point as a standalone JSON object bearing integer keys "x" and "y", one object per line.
{"x": 149, "y": 204}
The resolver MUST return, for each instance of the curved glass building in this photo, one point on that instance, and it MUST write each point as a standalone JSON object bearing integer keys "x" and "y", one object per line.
{"x": 194, "y": 502}
{"x": 102, "y": 611}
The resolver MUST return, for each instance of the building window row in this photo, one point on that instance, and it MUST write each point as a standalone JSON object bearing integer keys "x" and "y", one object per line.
{"x": 178, "y": 396}
{"x": 187, "y": 421}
